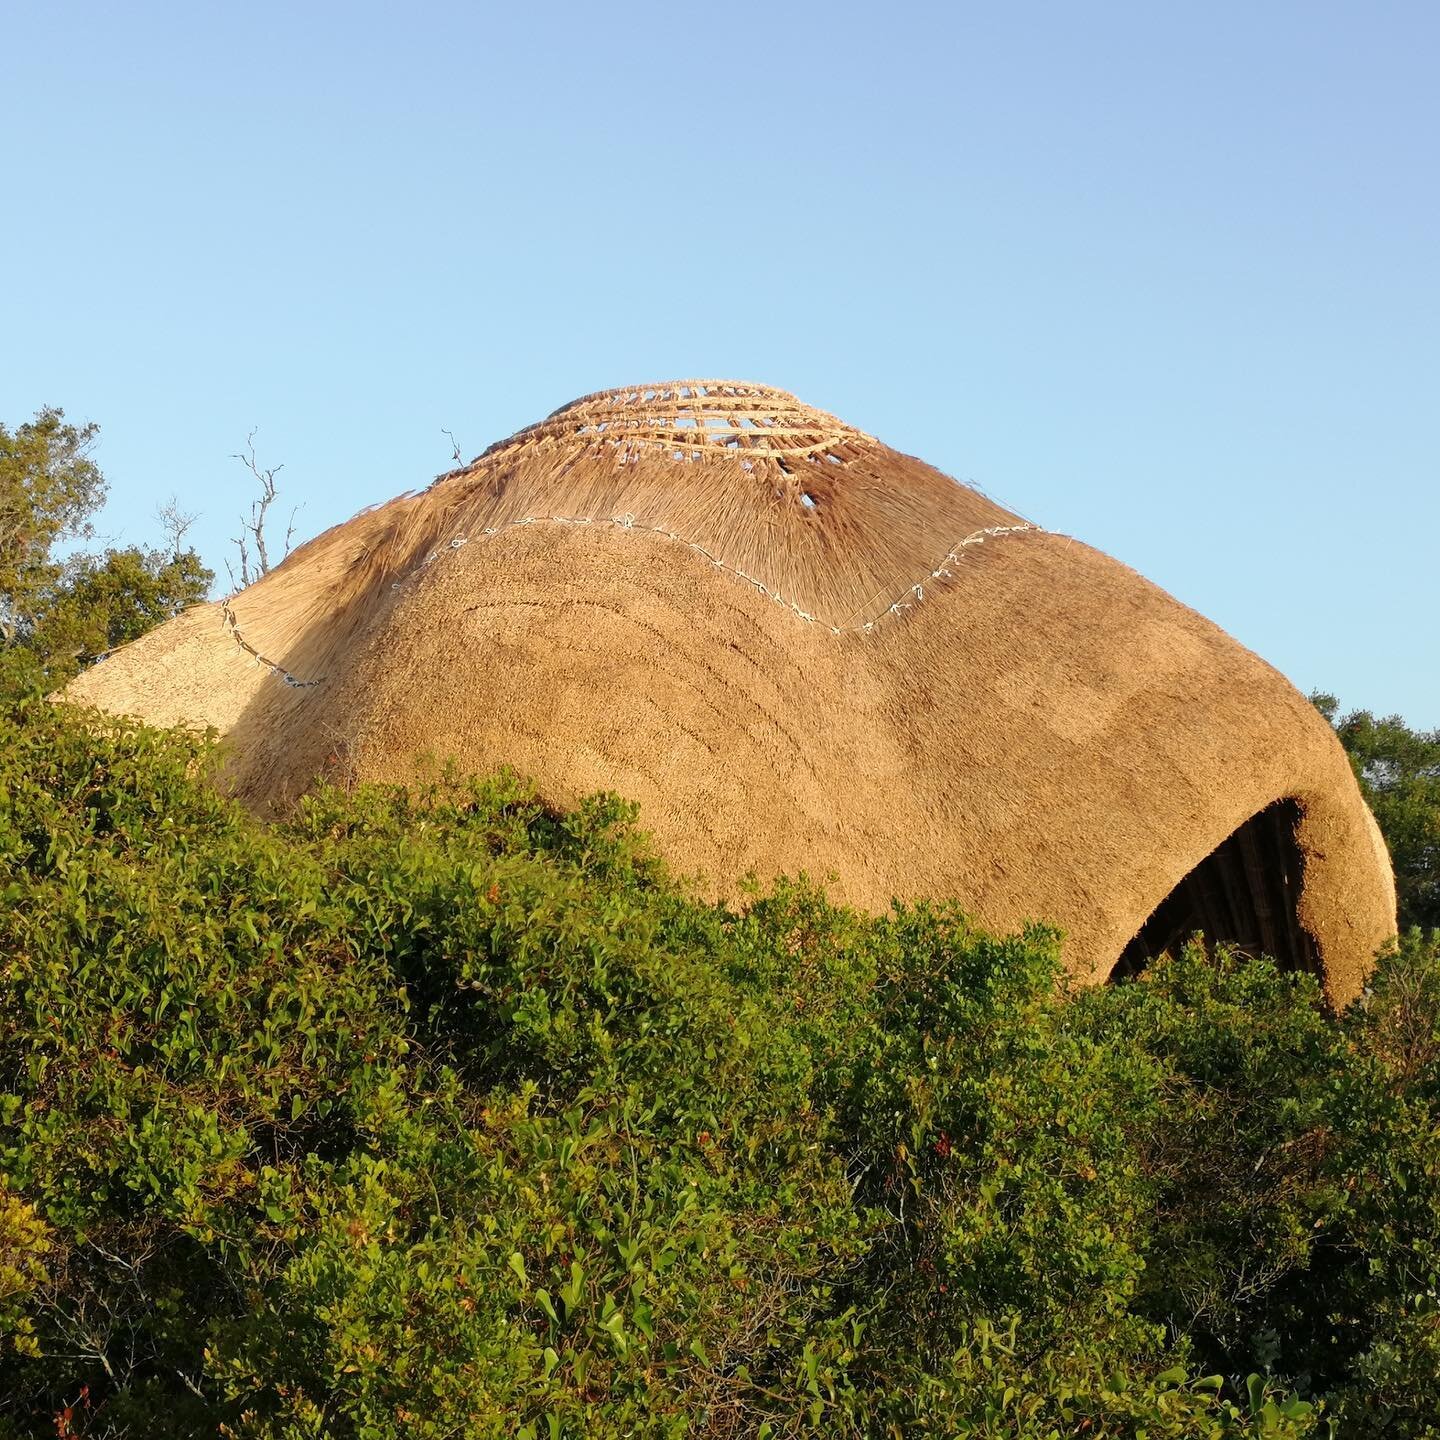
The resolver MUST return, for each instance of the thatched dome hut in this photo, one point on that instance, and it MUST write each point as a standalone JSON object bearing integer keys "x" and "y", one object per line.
{"x": 797, "y": 649}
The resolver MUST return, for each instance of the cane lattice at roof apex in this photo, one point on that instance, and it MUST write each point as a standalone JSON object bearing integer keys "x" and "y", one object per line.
{"x": 798, "y": 649}
{"x": 696, "y": 419}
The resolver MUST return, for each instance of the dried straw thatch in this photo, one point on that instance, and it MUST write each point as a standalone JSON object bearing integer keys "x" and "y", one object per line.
{"x": 797, "y": 649}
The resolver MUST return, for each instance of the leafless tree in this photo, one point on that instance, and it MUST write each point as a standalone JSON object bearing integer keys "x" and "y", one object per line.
{"x": 454, "y": 447}
{"x": 252, "y": 542}
{"x": 175, "y": 523}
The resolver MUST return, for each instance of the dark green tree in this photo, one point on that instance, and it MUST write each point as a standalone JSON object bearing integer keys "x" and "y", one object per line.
{"x": 58, "y": 612}
{"x": 49, "y": 489}
{"x": 106, "y": 600}
{"x": 1399, "y": 773}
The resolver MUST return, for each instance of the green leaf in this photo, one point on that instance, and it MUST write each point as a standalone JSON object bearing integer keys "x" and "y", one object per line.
{"x": 1255, "y": 1390}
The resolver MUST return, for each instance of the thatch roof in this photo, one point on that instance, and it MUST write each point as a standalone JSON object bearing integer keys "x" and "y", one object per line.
{"x": 797, "y": 649}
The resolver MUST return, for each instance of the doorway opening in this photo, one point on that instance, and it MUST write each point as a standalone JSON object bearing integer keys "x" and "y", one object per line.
{"x": 1244, "y": 893}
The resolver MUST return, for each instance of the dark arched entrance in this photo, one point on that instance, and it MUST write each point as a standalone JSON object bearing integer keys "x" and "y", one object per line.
{"x": 1244, "y": 893}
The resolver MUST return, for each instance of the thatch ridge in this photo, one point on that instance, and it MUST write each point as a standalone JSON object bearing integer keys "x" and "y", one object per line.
{"x": 689, "y": 414}
{"x": 827, "y": 526}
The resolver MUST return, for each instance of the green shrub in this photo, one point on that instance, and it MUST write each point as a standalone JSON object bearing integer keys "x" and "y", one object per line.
{"x": 438, "y": 1113}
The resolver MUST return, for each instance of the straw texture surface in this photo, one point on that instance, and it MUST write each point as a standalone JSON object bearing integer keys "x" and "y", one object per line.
{"x": 797, "y": 649}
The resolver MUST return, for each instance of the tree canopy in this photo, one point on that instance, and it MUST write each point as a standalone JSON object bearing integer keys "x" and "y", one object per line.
{"x": 49, "y": 489}
{"x": 1399, "y": 772}
{"x": 58, "y": 611}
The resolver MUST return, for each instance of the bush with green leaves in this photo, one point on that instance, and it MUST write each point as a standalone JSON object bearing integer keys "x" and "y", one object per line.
{"x": 438, "y": 1113}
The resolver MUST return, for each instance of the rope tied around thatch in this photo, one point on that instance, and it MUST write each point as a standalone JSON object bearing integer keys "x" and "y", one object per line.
{"x": 232, "y": 624}
{"x": 907, "y": 599}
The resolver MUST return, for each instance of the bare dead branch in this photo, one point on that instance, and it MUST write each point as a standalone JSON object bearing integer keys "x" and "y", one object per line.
{"x": 175, "y": 522}
{"x": 252, "y": 527}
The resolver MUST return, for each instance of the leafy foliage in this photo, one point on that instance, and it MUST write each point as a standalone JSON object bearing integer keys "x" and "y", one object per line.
{"x": 1399, "y": 773}
{"x": 438, "y": 1113}
{"x": 49, "y": 488}
{"x": 57, "y": 614}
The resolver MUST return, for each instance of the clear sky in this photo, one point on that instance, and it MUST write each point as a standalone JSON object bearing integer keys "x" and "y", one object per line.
{"x": 1165, "y": 277}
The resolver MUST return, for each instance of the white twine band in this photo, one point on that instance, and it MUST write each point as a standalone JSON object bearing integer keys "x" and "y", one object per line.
{"x": 908, "y": 598}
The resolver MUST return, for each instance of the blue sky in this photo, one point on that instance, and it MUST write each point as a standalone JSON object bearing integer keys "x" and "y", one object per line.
{"x": 1163, "y": 277}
